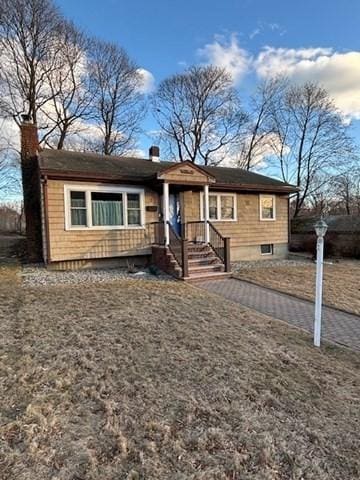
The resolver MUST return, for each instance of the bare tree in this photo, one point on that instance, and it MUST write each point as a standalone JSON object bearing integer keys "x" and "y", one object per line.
{"x": 346, "y": 190}
{"x": 29, "y": 49}
{"x": 70, "y": 86}
{"x": 259, "y": 136}
{"x": 310, "y": 139}
{"x": 118, "y": 104}
{"x": 199, "y": 114}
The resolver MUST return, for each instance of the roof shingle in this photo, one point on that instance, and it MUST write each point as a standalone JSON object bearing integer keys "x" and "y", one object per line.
{"x": 143, "y": 170}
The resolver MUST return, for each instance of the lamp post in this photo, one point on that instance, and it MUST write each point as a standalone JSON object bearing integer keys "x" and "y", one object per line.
{"x": 320, "y": 229}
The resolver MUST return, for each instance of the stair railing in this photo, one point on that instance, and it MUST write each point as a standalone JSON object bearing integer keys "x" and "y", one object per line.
{"x": 179, "y": 248}
{"x": 195, "y": 231}
{"x": 220, "y": 245}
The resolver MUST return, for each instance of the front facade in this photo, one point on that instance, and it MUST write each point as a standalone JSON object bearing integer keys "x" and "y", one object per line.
{"x": 95, "y": 209}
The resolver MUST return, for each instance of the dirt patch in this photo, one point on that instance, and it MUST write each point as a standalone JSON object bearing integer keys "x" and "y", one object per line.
{"x": 341, "y": 281}
{"x": 160, "y": 380}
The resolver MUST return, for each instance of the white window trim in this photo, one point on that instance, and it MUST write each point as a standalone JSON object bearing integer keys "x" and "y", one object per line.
{"x": 272, "y": 249}
{"x": 218, "y": 204}
{"x": 88, "y": 188}
{"x": 260, "y": 208}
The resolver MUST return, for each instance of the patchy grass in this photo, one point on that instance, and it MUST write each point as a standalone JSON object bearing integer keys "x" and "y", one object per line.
{"x": 341, "y": 281}
{"x": 159, "y": 380}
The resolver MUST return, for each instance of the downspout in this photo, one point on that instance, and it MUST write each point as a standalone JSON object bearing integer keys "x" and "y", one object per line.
{"x": 46, "y": 220}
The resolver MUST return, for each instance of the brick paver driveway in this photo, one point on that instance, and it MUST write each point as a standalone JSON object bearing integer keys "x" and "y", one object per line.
{"x": 339, "y": 327}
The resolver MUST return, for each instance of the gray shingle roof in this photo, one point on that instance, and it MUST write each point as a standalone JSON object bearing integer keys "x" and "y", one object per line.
{"x": 143, "y": 170}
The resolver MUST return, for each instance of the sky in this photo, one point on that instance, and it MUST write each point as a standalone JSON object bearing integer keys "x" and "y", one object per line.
{"x": 306, "y": 40}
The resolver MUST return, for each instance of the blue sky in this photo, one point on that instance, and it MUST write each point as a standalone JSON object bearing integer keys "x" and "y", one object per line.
{"x": 315, "y": 39}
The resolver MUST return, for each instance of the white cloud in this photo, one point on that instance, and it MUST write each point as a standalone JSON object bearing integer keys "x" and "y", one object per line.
{"x": 148, "y": 83}
{"x": 338, "y": 73}
{"x": 228, "y": 55}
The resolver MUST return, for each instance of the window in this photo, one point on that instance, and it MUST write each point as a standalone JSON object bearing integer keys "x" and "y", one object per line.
{"x": 267, "y": 207}
{"x": 213, "y": 210}
{"x": 267, "y": 249}
{"x": 107, "y": 209}
{"x": 78, "y": 208}
{"x": 102, "y": 207}
{"x": 133, "y": 209}
{"x": 222, "y": 206}
{"x": 227, "y": 207}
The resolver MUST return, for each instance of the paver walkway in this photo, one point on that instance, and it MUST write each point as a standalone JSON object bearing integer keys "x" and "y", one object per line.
{"x": 339, "y": 327}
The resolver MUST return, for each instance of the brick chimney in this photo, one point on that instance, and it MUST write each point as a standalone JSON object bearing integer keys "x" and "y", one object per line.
{"x": 154, "y": 154}
{"x": 31, "y": 188}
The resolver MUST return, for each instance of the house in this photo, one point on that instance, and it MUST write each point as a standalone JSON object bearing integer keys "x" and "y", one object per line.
{"x": 86, "y": 209}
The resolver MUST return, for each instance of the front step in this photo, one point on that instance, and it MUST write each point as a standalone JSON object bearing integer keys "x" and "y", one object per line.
{"x": 203, "y": 263}
{"x": 206, "y": 269}
{"x": 201, "y": 277}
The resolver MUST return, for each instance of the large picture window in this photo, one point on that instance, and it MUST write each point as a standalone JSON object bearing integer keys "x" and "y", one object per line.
{"x": 267, "y": 207}
{"x": 107, "y": 209}
{"x": 222, "y": 206}
{"x": 103, "y": 207}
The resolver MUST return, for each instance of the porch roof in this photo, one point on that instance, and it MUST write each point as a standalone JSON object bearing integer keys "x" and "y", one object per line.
{"x": 93, "y": 166}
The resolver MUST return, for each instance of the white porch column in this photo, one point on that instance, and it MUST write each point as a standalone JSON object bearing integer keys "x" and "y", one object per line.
{"x": 206, "y": 213}
{"x": 166, "y": 211}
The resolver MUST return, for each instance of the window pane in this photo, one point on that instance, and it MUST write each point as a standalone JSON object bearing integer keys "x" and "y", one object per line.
{"x": 213, "y": 215}
{"x": 227, "y": 207}
{"x": 266, "y": 249}
{"x": 133, "y": 205}
{"x": 78, "y": 217}
{"x": 107, "y": 208}
{"x": 133, "y": 200}
{"x": 267, "y": 207}
{"x": 134, "y": 217}
{"x": 78, "y": 199}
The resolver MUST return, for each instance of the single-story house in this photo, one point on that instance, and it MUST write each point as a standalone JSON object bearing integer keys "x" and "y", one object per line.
{"x": 85, "y": 209}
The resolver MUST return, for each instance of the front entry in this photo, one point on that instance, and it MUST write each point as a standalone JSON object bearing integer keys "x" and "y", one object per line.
{"x": 174, "y": 212}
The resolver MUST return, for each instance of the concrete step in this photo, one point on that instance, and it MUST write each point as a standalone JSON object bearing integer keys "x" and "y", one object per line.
{"x": 213, "y": 260}
{"x": 206, "y": 268}
{"x": 201, "y": 277}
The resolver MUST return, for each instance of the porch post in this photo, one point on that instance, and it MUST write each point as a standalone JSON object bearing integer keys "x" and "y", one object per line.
{"x": 206, "y": 213}
{"x": 166, "y": 211}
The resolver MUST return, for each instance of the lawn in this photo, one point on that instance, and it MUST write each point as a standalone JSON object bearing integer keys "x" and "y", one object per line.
{"x": 138, "y": 379}
{"x": 341, "y": 281}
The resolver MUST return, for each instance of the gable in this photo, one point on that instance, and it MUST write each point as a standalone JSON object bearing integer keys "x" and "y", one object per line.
{"x": 186, "y": 173}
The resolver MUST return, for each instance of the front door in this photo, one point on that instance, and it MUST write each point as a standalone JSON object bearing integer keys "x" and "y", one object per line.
{"x": 174, "y": 212}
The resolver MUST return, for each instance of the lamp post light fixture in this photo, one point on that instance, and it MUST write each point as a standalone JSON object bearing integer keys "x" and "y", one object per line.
{"x": 320, "y": 229}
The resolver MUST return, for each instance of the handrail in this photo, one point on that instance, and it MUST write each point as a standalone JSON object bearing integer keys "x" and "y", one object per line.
{"x": 175, "y": 244}
{"x": 220, "y": 245}
{"x": 179, "y": 248}
{"x": 195, "y": 230}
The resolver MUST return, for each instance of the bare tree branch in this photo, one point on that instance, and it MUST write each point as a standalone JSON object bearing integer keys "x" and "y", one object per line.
{"x": 199, "y": 113}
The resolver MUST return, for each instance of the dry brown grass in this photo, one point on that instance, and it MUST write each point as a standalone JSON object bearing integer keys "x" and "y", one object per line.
{"x": 341, "y": 282}
{"x": 151, "y": 380}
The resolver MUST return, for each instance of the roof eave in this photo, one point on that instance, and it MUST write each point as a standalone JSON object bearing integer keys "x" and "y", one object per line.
{"x": 257, "y": 188}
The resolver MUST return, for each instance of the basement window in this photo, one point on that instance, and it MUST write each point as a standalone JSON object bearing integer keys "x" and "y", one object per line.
{"x": 267, "y": 249}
